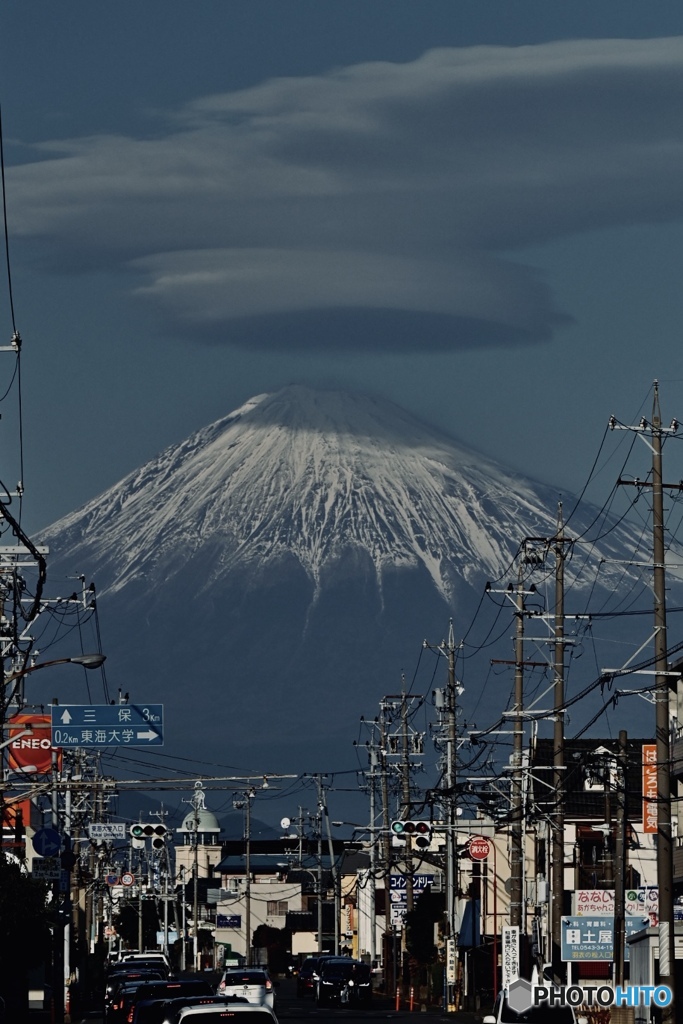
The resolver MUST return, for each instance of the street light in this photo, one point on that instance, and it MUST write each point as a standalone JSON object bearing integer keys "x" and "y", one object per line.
{"x": 88, "y": 661}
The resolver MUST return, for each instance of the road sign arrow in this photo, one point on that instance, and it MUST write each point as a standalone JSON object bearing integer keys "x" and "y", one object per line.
{"x": 66, "y": 717}
{"x": 150, "y": 734}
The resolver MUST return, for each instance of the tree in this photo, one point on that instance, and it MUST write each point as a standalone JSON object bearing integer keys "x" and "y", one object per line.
{"x": 278, "y": 944}
{"x": 126, "y": 924}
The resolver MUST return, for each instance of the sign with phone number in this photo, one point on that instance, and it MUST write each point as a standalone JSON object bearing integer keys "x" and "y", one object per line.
{"x": 592, "y": 938}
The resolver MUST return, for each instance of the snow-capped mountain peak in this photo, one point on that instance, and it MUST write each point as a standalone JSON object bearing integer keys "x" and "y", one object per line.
{"x": 314, "y": 475}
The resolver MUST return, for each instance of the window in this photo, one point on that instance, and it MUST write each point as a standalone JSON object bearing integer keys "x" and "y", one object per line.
{"x": 277, "y": 908}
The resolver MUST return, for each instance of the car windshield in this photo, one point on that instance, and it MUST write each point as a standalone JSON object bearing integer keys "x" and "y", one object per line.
{"x": 345, "y": 969}
{"x": 245, "y": 978}
{"x": 538, "y": 1015}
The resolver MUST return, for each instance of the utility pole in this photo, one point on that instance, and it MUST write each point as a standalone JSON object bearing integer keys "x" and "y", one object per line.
{"x": 336, "y": 885}
{"x": 517, "y": 809}
{"x": 558, "y": 753}
{"x": 389, "y": 980}
{"x": 372, "y": 878}
{"x": 245, "y": 805}
{"x": 406, "y": 801}
{"x": 319, "y": 828}
{"x": 653, "y": 433}
{"x": 450, "y": 713}
{"x": 620, "y": 861}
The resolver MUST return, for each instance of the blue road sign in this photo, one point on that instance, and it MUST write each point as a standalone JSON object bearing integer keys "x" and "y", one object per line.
{"x": 47, "y": 842}
{"x": 107, "y": 725}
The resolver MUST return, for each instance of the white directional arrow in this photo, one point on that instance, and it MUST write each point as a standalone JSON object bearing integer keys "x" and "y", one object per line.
{"x": 148, "y": 735}
{"x": 66, "y": 717}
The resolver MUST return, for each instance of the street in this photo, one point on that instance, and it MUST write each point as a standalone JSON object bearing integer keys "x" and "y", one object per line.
{"x": 297, "y": 1009}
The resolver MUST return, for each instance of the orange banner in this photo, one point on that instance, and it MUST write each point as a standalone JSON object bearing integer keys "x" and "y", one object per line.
{"x": 649, "y": 787}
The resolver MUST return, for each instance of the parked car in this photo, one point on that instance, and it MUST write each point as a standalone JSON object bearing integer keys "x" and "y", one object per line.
{"x": 344, "y": 981}
{"x": 238, "y": 1013}
{"x": 252, "y": 984}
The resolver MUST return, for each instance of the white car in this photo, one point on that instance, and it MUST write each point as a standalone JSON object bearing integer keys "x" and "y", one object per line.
{"x": 213, "y": 1013}
{"x": 250, "y": 983}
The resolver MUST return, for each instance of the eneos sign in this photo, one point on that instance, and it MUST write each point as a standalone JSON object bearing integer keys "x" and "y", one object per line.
{"x": 31, "y": 753}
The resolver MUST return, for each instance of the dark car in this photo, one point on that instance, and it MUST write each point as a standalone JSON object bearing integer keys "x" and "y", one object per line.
{"x": 161, "y": 990}
{"x": 117, "y": 982}
{"x": 344, "y": 981}
{"x": 309, "y": 972}
{"x": 165, "y": 1011}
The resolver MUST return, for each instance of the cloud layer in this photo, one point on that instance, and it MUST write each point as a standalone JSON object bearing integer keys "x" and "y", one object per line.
{"x": 374, "y": 206}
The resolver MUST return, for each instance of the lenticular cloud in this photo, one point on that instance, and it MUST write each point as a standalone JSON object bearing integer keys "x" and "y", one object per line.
{"x": 371, "y": 192}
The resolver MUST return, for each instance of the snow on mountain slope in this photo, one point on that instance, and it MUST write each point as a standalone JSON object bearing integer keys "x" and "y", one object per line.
{"x": 310, "y": 474}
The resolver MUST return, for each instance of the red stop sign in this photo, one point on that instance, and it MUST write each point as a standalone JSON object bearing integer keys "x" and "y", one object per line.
{"x": 479, "y": 848}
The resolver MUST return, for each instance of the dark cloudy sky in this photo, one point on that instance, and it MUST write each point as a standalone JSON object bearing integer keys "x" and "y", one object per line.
{"x": 472, "y": 207}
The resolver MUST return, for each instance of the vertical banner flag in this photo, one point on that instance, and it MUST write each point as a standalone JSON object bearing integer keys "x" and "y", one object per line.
{"x": 649, "y": 787}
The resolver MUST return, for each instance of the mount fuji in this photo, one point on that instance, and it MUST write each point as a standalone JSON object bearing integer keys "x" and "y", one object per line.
{"x": 269, "y": 578}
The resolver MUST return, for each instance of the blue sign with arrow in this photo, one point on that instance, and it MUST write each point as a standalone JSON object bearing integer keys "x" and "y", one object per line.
{"x": 107, "y": 725}
{"x": 47, "y": 842}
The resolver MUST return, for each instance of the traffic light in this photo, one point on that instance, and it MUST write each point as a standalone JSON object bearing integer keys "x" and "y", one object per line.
{"x": 420, "y": 832}
{"x": 158, "y": 836}
{"x": 157, "y": 833}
